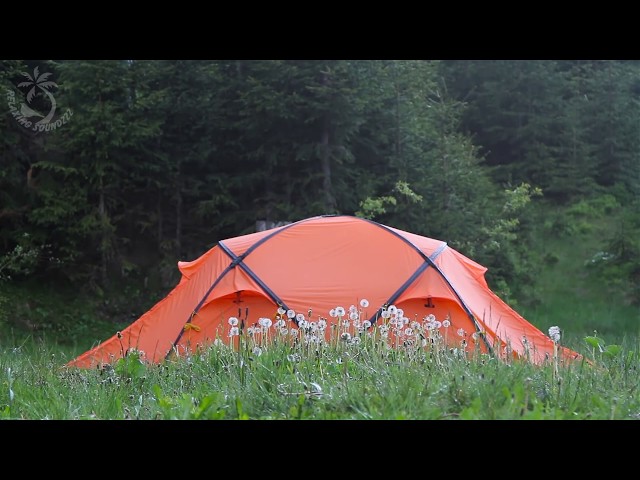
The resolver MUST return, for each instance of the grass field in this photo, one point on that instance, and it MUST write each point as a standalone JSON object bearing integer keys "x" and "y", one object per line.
{"x": 279, "y": 380}
{"x": 44, "y": 328}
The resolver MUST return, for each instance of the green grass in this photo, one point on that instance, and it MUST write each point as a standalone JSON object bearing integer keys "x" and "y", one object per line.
{"x": 330, "y": 381}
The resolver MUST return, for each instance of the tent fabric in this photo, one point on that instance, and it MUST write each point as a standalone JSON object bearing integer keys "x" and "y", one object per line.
{"x": 314, "y": 265}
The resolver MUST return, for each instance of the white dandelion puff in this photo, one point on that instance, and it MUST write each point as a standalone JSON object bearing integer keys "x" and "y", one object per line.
{"x": 364, "y": 303}
{"x": 233, "y": 321}
{"x": 554, "y": 333}
{"x": 265, "y": 322}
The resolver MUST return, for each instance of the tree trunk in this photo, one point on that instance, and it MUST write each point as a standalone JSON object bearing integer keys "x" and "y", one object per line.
{"x": 179, "y": 210}
{"x": 104, "y": 241}
{"x": 329, "y": 198}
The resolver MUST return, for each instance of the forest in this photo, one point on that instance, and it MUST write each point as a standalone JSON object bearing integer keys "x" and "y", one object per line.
{"x": 111, "y": 171}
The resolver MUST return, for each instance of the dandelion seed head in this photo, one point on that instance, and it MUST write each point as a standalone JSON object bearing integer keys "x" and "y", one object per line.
{"x": 461, "y": 332}
{"x": 364, "y": 303}
{"x": 291, "y": 313}
{"x": 340, "y": 311}
{"x": 446, "y": 323}
{"x": 554, "y": 333}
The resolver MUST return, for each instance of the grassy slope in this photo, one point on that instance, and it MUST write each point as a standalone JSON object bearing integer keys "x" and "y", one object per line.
{"x": 573, "y": 297}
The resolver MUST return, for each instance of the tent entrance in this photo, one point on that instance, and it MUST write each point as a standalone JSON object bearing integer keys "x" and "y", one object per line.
{"x": 442, "y": 318}
{"x": 212, "y": 321}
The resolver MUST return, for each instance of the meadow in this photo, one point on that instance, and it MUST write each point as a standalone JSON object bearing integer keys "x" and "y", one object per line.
{"x": 345, "y": 378}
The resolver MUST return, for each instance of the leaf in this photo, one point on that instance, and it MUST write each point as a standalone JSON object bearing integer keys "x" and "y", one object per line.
{"x": 25, "y": 84}
{"x": 36, "y": 71}
{"x": 47, "y": 84}
{"x": 31, "y": 94}
{"x": 28, "y": 76}
{"x": 595, "y": 342}
{"x": 612, "y": 350}
{"x": 43, "y": 77}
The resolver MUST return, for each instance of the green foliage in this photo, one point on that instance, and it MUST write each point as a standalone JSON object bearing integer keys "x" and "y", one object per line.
{"x": 617, "y": 265}
{"x": 374, "y": 207}
{"x": 22, "y": 260}
{"x": 162, "y": 158}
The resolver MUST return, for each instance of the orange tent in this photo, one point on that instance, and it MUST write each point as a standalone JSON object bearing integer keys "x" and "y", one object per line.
{"x": 323, "y": 269}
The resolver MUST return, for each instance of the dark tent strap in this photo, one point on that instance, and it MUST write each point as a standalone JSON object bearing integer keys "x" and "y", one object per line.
{"x": 237, "y": 260}
{"x": 429, "y": 262}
